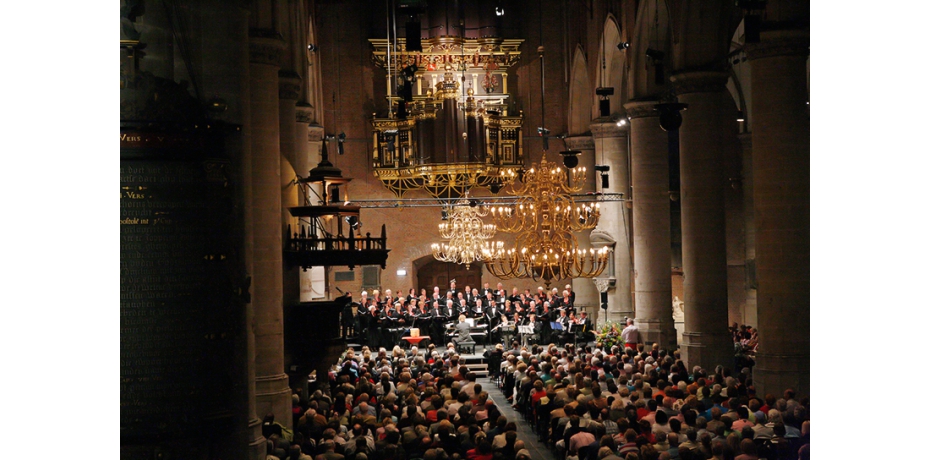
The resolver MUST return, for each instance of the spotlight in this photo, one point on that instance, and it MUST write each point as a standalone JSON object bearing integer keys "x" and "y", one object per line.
{"x": 623, "y": 45}
{"x": 341, "y": 138}
{"x": 739, "y": 116}
{"x": 445, "y": 215}
{"x": 621, "y": 122}
{"x": 311, "y": 47}
{"x": 570, "y": 158}
{"x": 604, "y": 103}
{"x": 670, "y": 115}
{"x": 499, "y": 11}
{"x": 496, "y": 188}
{"x": 545, "y": 135}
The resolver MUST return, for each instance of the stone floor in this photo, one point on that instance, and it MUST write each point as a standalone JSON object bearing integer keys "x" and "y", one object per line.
{"x": 538, "y": 450}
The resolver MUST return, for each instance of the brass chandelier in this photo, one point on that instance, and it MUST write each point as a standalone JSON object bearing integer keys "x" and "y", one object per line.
{"x": 466, "y": 233}
{"x": 544, "y": 219}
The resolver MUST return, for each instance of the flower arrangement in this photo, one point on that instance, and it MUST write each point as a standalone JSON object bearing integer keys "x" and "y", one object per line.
{"x": 608, "y": 335}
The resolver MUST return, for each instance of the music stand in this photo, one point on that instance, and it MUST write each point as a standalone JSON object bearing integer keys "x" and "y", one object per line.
{"x": 526, "y": 330}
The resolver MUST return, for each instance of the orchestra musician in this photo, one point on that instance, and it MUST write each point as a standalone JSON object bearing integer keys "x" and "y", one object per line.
{"x": 585, "y": 327}
{"x": 505, "y": 328}
{"x": 565, "y": 322}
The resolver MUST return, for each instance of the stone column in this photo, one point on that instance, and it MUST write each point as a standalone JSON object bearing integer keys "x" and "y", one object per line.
{"x": 750, "y": 313}
{"x": 707, "y": 124}
{"x": 612, "y": 149}
{"x": 652, "y": 271}
{"x": 288, "y": 91}
{"x": 586, "y": 296}
{"x": 272, "y": 395}
{"x": 781, "y": 192}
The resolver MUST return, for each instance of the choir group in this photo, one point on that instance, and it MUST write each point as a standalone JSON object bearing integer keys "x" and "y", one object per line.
{"x": 494, "y": 315}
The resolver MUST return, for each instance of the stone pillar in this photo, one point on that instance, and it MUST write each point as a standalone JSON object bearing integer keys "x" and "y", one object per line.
{"x": 750, "y": 313}
{"x": 586, "y": 296}
{"x": 652, "y": 271}
{"x": 272, "y": 394}
{"x": 288, "y": 91}
{"x": 612, "y": 149}
{"x": 224, "y": 72}
{"x": 781, "y": 193}
{"x": 707, "y": 124}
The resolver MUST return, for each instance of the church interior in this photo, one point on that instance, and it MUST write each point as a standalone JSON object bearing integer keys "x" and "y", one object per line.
{"x": 279, "y": 158}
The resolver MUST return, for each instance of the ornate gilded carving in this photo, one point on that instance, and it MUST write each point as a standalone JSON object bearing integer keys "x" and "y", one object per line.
{"x": 499, "y": 54}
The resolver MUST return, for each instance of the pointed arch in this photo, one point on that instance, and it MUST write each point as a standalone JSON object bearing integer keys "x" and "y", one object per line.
{"x": 611, "y": 67}
{"x": 312, "y": 85}
{"x": 652, "y": 30}
{"x": 579, "y": 95}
